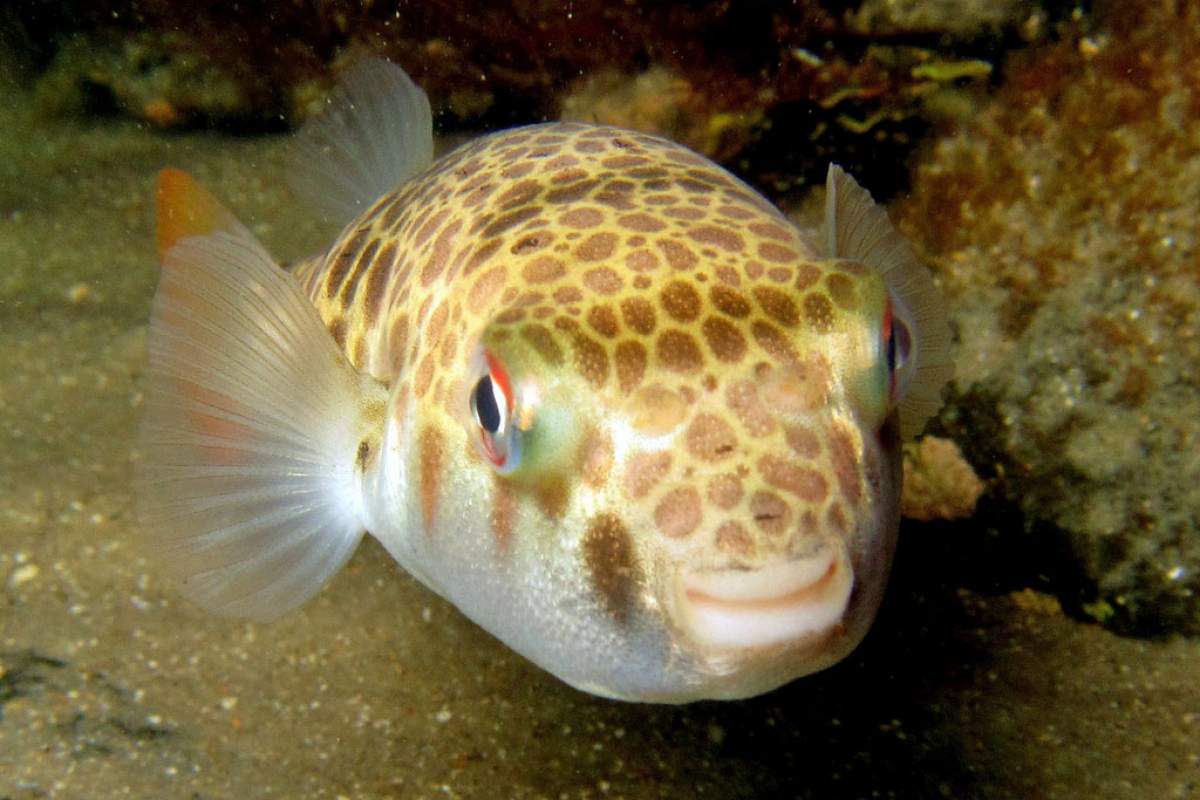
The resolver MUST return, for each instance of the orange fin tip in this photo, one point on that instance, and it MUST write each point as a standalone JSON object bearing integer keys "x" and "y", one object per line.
{"x": 184, "y": 208}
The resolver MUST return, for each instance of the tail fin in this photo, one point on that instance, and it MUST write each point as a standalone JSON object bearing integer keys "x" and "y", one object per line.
{"x": 247, "y": 486}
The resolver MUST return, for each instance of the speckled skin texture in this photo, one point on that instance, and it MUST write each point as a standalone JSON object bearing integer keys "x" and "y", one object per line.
{"x": 718, "y": 395}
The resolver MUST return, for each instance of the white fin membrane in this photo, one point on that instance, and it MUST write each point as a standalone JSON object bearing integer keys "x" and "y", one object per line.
{"x": 858, "y": 229}
{"x": 375, "y": 133}
{"x": 246, "y": 487}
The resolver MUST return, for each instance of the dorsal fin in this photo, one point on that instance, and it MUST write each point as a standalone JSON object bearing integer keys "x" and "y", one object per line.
{"x": 183, "y": 208}
{"x": 375, "y": 133}
{"x": 857, "y": 229}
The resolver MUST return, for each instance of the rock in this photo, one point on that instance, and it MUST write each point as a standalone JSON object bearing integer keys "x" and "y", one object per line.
{"x": 938, "y": 481}
{"x": 1061, "y": 220}
{"x": 776, "y": 91}
{"x": 167, "y": 80}
{"x": 663, "y": 102}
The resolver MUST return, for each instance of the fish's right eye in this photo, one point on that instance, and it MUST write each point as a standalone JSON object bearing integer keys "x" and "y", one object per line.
{"x": 486, "y": 405}
{"x": 497, "y": 437}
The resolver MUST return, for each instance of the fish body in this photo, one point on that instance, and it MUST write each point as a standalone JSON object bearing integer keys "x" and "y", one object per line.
{"x": 580, "y": 381}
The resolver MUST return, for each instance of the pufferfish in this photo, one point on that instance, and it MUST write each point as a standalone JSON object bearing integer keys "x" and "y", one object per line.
{"x": 579, "y": 381}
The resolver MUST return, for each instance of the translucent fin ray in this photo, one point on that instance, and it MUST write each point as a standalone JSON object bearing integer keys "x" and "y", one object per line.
{"x": 858, "y": 229}
{"x": 375, "y": 133}
{"x": 246, "y": 487}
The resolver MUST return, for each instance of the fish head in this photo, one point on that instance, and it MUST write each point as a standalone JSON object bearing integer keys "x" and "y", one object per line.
{"x": 692, "y": 490}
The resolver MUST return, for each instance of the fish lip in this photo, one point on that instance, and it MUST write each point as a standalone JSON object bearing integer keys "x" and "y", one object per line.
{"x": 783, "y": 603}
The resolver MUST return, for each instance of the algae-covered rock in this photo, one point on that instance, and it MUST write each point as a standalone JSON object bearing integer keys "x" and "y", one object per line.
{"x": 775, "y": 90}
{"x": 663, "y": 102}
{"x": 1062, "y": 222}
{"x": 166, "y": 79}
{"x": 938, "y": 481}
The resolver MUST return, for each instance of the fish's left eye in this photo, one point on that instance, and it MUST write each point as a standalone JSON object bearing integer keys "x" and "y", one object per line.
{"x": 491, "y": 409}
{"x": 897, "y": 347}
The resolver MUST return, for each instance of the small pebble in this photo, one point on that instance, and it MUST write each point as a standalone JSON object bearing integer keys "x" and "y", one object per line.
{"x": 79, "y": 294}
{"x": 22, "y": 575}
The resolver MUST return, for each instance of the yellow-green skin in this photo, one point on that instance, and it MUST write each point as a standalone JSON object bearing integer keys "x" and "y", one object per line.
{"x": 700, "y": 392}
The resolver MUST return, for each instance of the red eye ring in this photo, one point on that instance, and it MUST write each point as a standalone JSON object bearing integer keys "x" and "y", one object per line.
{"x": 499, "y": 377}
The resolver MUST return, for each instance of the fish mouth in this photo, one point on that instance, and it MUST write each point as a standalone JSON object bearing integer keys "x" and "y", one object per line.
{"x": 783, "y": 602}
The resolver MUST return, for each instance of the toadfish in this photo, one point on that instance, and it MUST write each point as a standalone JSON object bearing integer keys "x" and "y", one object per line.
{"x": 580, "y": 381}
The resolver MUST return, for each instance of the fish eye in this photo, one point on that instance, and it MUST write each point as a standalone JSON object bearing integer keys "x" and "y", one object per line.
{"x": 897, "y": 348}
{"x": 491, "y": 409}
{"x": 486, "y": 405}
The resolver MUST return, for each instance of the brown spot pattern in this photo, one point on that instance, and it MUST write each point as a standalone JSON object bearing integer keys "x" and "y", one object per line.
{"x": 743, "y": 399}
{"x": 432, "y": 457}
{"x": 818, "y": 312}
{"x": 807, "y": 275}
{"x": 504, "y": 512}
{"x": 841, "y": 289}
{"x": 725, "y": 491}
{"x": 803, "y": 441}
{"x": 582, "y": 218}
{"x": 805, "y": 483}
{"x": 591, "y": 359}
{"x": 723, "y": 238}
{"x": 777, "y": 253}
{"x": 710, "y": 438}
{"x": 729, "y": 302}
{"x": 725, "y": 341}
{"x": 680, "y": 301}
{"x": 543, "y": 342}
{"x": 603, "y": 280}
{"x": 603, "y": 320}
{"x": 609, "y": 557}
{"x": 679, "y": 256}
{"x": 679, "y": 512}
{"x": 639, "y": 315}
{"x": 552, "y": 496}
{"x": 597, "y": 247}
{"x": 544, "y": 269}
{"x": 643, "y": 471}
{"x": 845, "y": 460}
{"x": 732, "y": 538}
{"x": 631, "y": 365}
{"x": 377, "y": 279}
{"x": 486, "y": 287}
{"x": 777, "y": 305}
{"x": 595, "y": 458}
{"x": 678, "y": 351}
{"x": 770, "y": 513}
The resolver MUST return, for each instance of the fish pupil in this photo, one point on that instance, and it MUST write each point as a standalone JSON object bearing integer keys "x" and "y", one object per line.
{"x": 487, "y": 412}
{"x": 891, "y": 352}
